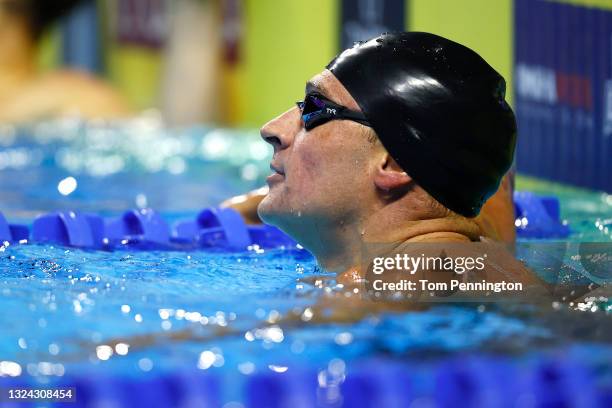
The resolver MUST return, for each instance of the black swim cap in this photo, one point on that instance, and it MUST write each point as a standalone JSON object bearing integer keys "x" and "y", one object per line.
{"x": 439, "y": 110}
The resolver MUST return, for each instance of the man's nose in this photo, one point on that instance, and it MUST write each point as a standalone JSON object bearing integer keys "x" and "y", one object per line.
{"x": 280, "y": 131}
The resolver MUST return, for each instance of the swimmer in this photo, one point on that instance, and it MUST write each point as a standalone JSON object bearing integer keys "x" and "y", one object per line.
{"x": 403, "y": 138}
{"x": 27, "y": 95}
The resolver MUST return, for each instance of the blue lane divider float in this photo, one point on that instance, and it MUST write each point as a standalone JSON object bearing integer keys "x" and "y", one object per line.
{"x": 67, "y": 228}
{"x": 12, "y": 232}
{"x": 5, "y": 232}
{"x": 145, "y": 229}
{"x": 221, "y": 228}
{"x": 225, "y": 228}
{"x": 214, "y": 226}
{"x": 538, "y": 216}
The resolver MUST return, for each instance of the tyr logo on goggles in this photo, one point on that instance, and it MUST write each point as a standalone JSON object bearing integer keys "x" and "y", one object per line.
{"x": 317, "y": 110}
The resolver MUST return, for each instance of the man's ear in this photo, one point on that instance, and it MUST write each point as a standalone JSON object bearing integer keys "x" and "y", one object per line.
{"x": 389, "y": 175}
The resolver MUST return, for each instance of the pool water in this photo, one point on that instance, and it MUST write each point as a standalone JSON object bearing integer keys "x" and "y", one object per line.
{"x": 72, "y": 316}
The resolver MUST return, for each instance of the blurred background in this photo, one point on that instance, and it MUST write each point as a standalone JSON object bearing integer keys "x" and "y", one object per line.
{"x": 238, "y": 63}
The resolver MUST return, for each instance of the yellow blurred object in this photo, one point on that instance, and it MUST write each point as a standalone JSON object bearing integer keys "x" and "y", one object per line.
{"x": 49, "y": 50}
{"x": 137, "y": 72}
{"x": 483, "y": 25}
{"x": 284, "y": 44}
{"x": 232, "y": 97}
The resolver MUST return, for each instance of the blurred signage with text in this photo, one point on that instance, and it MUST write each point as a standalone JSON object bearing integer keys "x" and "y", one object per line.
{"x": 563, "y": 92}
{"x": 365, "y": 19}
{"x": 142, "y": 22}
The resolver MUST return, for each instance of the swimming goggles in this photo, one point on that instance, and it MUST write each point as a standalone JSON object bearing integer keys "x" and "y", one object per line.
{"x": 317, "y": 110}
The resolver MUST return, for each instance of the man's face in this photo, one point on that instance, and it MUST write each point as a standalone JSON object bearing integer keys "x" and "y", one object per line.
{"x": 321, "y": 177}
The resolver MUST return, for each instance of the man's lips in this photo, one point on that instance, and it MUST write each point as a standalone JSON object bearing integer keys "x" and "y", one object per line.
{"x": 277, "y": 176}
{"x": 277, "y": 169}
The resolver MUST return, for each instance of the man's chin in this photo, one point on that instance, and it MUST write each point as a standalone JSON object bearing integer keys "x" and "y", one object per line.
{"x": 273, "y": 214}
{"x": 267, "y": 213}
